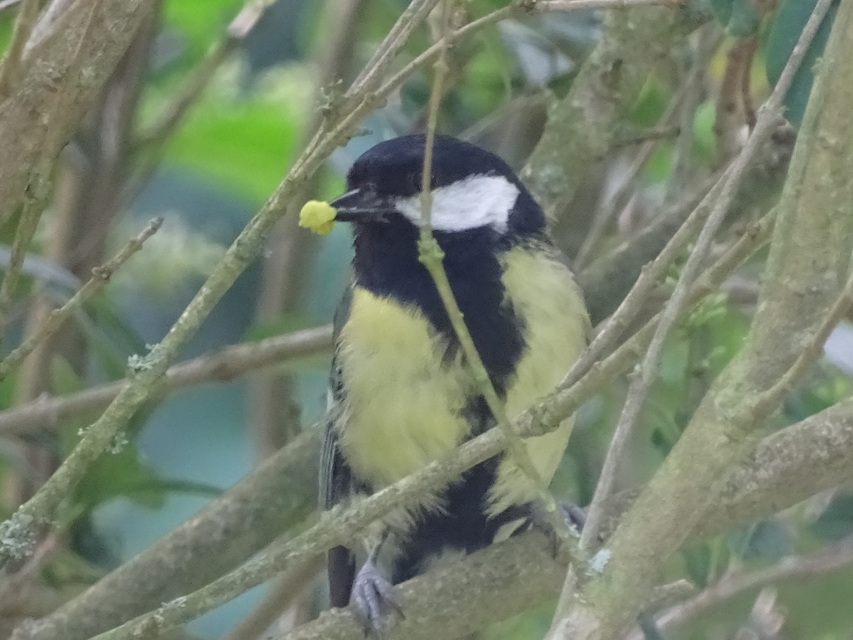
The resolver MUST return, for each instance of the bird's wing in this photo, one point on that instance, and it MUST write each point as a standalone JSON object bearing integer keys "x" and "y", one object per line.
{"x": 335, "y": 486}
{"x": 335, "y": 474}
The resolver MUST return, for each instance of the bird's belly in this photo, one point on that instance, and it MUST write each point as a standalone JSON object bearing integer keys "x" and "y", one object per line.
{"x": 403, "y": 404}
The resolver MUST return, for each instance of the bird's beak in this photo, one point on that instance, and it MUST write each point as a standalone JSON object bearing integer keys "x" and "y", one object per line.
{"x": 360, "y": 205}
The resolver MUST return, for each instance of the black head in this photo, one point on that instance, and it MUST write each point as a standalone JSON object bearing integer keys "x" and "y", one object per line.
{"x": 472, "y": 188}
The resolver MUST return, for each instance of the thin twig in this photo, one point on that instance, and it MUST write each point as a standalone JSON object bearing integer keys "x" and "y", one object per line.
{"x": 27, "y": 223}
{"x": 39, "y": 184}
{"x": 153, "y": 141}
{"x": 221, "y": 366}
{"x": 280, "y": 595}
{"x": 7, "y": 4}
{"x": 335, "y": 527}
{"x": 517, "y": 9}
{"x": 633, "y": 302}
{"x": 19, "y": 531}
{"x": 647, "y": 371}
{"x": 24, "y": 23}
{"x": 50, "y": 22}
{"x": 730, "y": 108}
{"x": 608, "y": 209}
{"x": 339, "y": 525}
{"x": 293, "y": 253}
{"x": 809, "y": 354}
{"x": 431, "y": 256}
{"x": 833, "y": 558}
{"x": 647, "y": 135}
{"x": 100, "y": 276}
{"x": 194, "y": 85}
{"x": 566, "y": 400}
{"x": 383, "y": 57}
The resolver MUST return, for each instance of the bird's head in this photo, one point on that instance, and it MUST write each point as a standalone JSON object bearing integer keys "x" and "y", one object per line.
{"x": 471, "y": 189}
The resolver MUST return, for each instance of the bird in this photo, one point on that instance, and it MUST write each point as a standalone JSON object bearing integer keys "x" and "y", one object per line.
{"x": 401, "y": 393}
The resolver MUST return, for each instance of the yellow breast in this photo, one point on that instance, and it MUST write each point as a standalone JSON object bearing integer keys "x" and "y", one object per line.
{"x": 403, "y": 403}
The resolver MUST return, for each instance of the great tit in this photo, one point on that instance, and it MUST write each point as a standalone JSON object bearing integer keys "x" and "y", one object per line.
{"x": 401, "y": 394}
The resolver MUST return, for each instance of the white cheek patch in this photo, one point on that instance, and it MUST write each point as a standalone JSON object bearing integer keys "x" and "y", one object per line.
{"x": 477, "y": 201}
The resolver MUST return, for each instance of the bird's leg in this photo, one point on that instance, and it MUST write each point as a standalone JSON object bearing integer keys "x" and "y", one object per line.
{"x": 373, "y": 596}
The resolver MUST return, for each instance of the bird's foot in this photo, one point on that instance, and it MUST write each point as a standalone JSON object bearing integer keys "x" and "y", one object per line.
{"x": 572, "y": 516}
{"x": 373, "y": 599}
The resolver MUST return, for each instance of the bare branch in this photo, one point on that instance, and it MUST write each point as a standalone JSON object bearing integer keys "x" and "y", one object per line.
{"x": 222, "y": 366}
{"x": 148, "y": 371}
{"x": 647, "y": 371}
{"x": 724, "y": 425}
{"x": 100, "y": 276}
{"x": 616, "y": 200}
{"x": 227, "y": 531}
{"x": 27, "y": 223}
{"x": 89, "y": 35}
{"x": 831, "y": 558}
{"x": 278, "y": 598}
{"x": 583, "y": 126}
{"x": 435, "y": 605}
{"x": 10, "y": 67}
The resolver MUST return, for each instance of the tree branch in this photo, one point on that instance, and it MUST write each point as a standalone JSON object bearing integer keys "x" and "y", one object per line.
{"x": 100, "y": 276}
{"x": 607, "y": 280}
{"x": 340, "y": 525}
{"x": 226, "y": 532}
{"x": 646, "y": 373}
{"x": 583, "y": 126}
{"x": 808, "y": 264}
{"x": 76, "y": 58}
{"x": 785, "y": 468}
{"x": 435, "y": 606}
{"x": 832, "y": 558}
{"x": 221, "y": 366}
{"x": 24, "y": 23}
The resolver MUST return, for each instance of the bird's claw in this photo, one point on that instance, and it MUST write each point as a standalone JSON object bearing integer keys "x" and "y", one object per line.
{"x": 571, "y": 514}
{"x": 373, "y": 598}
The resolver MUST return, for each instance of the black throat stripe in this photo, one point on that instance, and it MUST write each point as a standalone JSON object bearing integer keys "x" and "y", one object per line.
{"x": 386, "y": 264}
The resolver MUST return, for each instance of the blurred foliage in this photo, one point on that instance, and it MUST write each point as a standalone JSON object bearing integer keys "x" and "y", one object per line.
{"x": 193, "y": 27}
{"x": 241, "y": 140}
{"x": 228, "y": 155}
{"x": 744, "y": 18}
{"x": 788, "y": 22}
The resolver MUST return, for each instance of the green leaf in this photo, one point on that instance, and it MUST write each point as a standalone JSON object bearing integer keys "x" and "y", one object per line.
{"x": 243, "y": 140}
{"x": 788, "y": 23}
{"x": 722, "y": 10}
{"x": 199, "y": 23}
{"x": 122, "y": 472}
{"x": 6, "y": 26}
